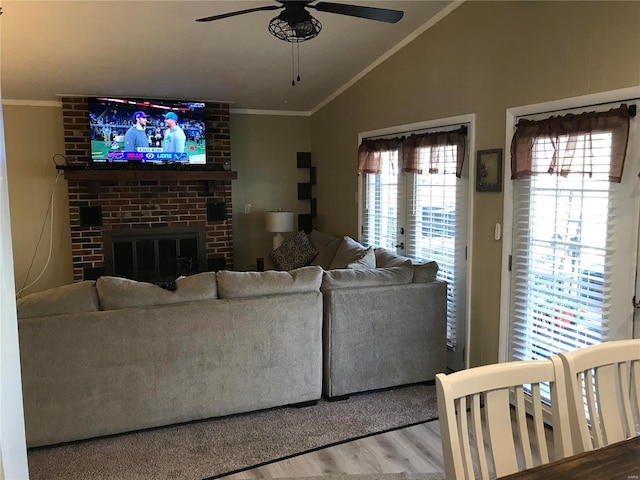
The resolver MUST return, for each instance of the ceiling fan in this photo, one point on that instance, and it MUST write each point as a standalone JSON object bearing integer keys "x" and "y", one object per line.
{"x": 295, "y": 24}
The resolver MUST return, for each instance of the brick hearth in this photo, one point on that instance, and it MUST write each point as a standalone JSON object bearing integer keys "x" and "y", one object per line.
{"x": 146, "y": 204}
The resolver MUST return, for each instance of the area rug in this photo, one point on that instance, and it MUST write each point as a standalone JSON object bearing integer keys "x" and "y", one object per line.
{"x": 217, "y": 447}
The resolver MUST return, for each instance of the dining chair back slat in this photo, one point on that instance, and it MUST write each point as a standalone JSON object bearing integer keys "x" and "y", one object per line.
{"x": 626, "y": 397}
{"x": 499, "y": 427}
{"x": 478, "y": 434}
{"x": 523, "y": 430}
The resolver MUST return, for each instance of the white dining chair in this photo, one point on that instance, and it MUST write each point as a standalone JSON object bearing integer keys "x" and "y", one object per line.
{"x": 603, "y": 388}
{"x": 489, "y": 393}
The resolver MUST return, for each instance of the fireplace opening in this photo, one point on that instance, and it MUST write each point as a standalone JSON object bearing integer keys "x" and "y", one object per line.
{"x": 157, "y": 255}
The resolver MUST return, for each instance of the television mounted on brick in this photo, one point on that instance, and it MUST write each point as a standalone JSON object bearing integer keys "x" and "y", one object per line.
{"x": 128, "y": 130}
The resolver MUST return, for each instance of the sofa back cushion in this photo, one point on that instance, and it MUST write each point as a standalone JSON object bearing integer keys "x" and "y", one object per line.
{"x": 326, "y": 245}
{"x": 348, "y": 252}
{"x": 377, "y": 277}
{"x": 365, "y": 261}
{"x": 115, "y": 292}
{"x": 425, "y": 272}
{"x": 75, "y": 298}
{"x": 387, "y": 258}
{"x": 271, "y": 282}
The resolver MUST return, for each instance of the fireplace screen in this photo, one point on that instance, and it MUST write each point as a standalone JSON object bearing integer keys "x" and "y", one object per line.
{"x": 158, "y": 255}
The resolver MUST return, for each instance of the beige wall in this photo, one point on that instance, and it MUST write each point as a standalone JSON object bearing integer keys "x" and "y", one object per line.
{"x": 33, "y": 136}
{"x": 483, "y": 58}
{"x": 263, "y": 151}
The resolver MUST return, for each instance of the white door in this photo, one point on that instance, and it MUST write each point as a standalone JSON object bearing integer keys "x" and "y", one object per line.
{"x": 573, "y": 253}
{"x": 424, "y": 217}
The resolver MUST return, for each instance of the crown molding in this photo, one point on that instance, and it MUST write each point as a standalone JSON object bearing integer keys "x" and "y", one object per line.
{"x": 288, "y": 113}
{"x": 31, "y": 103}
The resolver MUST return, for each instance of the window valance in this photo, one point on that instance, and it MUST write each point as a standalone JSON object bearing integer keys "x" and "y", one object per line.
{"x": 565, "y": 133}
{"x": 370, "y": 153}
{"x": 414, "y": 162}
{"x": 371, "y": 150}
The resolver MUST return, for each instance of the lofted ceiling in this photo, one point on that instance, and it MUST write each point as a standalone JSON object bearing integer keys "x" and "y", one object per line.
{"x": 156, "y": 49}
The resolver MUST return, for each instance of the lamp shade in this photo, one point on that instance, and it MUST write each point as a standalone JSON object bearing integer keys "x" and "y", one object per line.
{"x": 279, "y": 222}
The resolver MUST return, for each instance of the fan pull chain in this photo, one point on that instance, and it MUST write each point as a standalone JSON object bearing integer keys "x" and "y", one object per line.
{"x": 298, "y": 49}
{"x": 293, "y": 63}
{"x": 293, "y": 82}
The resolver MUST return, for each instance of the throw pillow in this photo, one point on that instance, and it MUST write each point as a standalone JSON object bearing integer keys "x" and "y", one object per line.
{"x": 253, "y": 284}
{"x": 75, "y": 298}
{"x": 294, "y": 252}
{"x": 366, "y": 262}
{"x": 327, "y": 247}
{"x": 349, "y": 251}
{"x": 425, "y": 272}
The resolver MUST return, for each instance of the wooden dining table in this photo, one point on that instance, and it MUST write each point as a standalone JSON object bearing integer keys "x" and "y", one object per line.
{"x": 618, "y": 461}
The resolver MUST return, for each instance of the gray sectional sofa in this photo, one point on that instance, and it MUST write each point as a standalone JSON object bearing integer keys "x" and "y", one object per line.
{"x": 116, "y": 355}
{"x": 384, "y": 317}
{"x": 220, "y": 344}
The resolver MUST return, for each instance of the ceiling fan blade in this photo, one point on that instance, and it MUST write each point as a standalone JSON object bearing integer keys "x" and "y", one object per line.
{"x": 372, "y": 13}
{"x": 240, "y": 12}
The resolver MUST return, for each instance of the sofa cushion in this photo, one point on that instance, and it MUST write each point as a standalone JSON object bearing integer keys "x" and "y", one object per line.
{"x": 294, "y": 252}
{"x": 115, "y": 292}
{"x": 271, "y": 282}
{"x": 348, "y": 278}
{"x": 367, "y": 261}
{"x": 75, "y": 298}
{"x": 425, "y": 272}
{"x": 327, "y": 246}
{"x": 349, "y": 251}
{"x": 388, "y": 258}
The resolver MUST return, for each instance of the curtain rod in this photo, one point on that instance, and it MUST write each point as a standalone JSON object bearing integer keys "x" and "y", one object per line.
{"x": 632, "y": 108}
{"x": 632, "y": 113}
{"x": 422, "y": 130}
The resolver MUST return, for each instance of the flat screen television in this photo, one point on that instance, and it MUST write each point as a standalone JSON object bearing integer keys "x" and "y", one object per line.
{"x": 147, "y": 131}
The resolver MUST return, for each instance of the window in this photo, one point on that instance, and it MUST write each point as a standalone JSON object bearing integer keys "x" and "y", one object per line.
{"x": 574, "y": 241}
{"x": 423, "y": 216}
{"x": 380, "y": 213}
{"x": 433, "y": 225}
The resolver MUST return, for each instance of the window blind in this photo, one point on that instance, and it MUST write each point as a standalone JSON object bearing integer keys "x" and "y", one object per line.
{"x": 433, "y": 225}
{"x": 565, "y": 252}
{"x": 380, "y": 212}
{"x": 425, "y": 213}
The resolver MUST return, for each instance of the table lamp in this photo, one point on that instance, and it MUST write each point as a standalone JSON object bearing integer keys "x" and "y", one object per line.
{"x": 279, "y": 222}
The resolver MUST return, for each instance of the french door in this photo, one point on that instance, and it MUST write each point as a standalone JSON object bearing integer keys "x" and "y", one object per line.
{"x": 424, "y": 217}
{"x": 574, "y": 251}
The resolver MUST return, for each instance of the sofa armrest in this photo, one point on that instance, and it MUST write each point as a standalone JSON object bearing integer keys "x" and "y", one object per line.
{"x": 379, "y": 337}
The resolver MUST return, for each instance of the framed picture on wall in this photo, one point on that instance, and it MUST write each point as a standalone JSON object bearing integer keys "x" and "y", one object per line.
{"x": 489, "y": 170}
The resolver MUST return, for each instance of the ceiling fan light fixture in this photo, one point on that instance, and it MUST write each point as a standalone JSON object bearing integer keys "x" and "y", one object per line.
{"x": 295, "y": 31}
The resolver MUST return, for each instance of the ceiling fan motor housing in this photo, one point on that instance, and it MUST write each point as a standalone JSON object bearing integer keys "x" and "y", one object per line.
{"x": 295, "y": 24}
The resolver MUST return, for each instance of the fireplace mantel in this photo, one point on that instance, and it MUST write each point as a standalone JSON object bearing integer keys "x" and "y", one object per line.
{"x": 92, "y": 178}
{"x": 143, "y": 175}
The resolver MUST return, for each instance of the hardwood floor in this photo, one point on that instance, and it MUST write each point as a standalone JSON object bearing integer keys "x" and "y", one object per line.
{"x": 414, "y": 449}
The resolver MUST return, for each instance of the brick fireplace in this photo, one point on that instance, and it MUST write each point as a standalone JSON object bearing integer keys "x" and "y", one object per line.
{"x": 162, "y": 201}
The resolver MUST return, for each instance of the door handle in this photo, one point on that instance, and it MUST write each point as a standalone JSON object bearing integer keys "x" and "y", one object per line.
{"x": 400, "y": 246}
